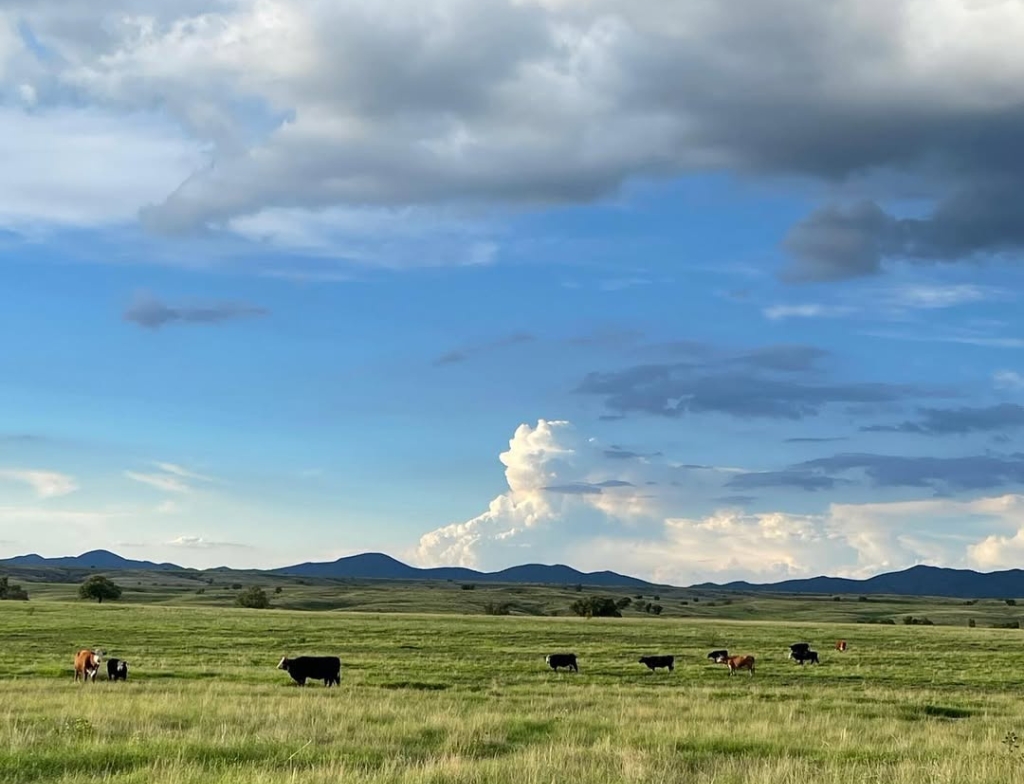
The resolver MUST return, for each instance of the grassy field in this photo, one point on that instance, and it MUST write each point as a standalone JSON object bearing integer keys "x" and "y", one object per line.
{"x": 428, "y": 698}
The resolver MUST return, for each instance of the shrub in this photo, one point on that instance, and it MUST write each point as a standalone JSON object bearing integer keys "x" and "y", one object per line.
{"x": 278, "y": 589}
{"x": 99, "y": 588}
{"x": 862, "y": 598}
{"x": 656, "y": 609}
{"x": 1010, "y": 602}
{"x": 837, "y": 598}
{"x": 253, "y": 597}
{"x": 970, "y": 623}
{"x": 623, "y": 603}
{"x": 1007, "y": 625}
{"x": 200, "y": 590}
{"x": 468, "y": 587}
{"x": 236, "y": 586}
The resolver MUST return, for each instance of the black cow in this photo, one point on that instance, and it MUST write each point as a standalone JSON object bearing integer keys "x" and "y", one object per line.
{"x": 718, "y": 656}
{"x": 654, "y": 662}
{"x": 117, "y": 670}
{"x": 802, "y": 655}
{"x": 799, "y": 646}
{"x": 567, "y": 660}
{"x": 318, "y": 668}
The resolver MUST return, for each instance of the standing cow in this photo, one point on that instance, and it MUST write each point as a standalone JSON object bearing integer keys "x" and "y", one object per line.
{"x": 740, "y": 663}
{"x": 567, "y": 660}
{"x": 117, "y": 670}
{"x": 87, "y": 664}
{"x": 654, "y": 662}
{"x": 318, "y": 668}
{"x": 841, "y": 646}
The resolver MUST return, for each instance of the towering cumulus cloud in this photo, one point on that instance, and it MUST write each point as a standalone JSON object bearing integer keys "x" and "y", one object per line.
{"x": 572, "y": 499}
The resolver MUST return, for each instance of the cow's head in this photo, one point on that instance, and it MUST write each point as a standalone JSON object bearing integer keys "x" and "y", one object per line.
{"x": 97, "y": 657}
{"x": 122, "y": 666}
{"x": 283, "y": 664}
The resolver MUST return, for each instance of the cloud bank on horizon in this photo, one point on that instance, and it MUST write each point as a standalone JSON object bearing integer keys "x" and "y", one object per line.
{"x": 281, "y": 275}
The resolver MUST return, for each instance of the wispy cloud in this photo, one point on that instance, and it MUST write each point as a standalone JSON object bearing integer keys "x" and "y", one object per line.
{"x": 170, "y": 478}
{"x": 807, "y": 310}
{"x": 934, "y": 296}
{"x": 45, "y": 484}
{"x": 1008, "y": 379}
{"x": 456, "y": 356}
{"x": 201, "y": 543}
{"x": 148, "y": 311}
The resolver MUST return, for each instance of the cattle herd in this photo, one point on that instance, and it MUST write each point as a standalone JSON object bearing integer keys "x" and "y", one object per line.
{"x": 328, "y": 668}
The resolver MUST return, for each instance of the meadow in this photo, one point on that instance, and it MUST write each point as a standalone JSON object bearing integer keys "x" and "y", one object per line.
{"x": 468, "y": 698}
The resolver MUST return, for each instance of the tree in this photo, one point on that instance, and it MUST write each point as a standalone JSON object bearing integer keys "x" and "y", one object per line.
{"x": 253, "y": 597}
{"x": 656, "y": 609}
{"x": 8, "y": 591}
{"x": 99, "y": 588}
{"x": 596, "y": 607}
{"x": 623, "y": 603}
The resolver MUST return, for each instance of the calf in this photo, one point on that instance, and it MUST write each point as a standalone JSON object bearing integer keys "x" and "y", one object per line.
{"x": 117, "y": 670}
{"x": 740, "y": 663}
{"x": 654, "y": 662}
{"x": 319, "y": 668}
{"x": 804, "y": 655}
{"x": 719, "y": 657}
{"x": 87, "y": 663}
{"x": 841, "y": 645}
{"x": 567, "y": 660}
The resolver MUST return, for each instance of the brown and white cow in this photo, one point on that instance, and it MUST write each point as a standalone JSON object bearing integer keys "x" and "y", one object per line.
{"x": 840, "y": 645}
{"x": 740, "y": 663}
{"x": 87, "y": 664}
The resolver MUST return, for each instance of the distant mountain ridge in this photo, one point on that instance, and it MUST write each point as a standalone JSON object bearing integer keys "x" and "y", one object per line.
{"x": 367, "y": 566}
{"x": 915, "y": 581}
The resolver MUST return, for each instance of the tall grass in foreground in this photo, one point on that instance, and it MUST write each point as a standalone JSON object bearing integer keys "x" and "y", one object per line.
{"x": 455, "y": 699}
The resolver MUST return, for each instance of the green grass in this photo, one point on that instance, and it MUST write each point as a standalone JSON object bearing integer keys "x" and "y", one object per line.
{"x": 431, "y": 698}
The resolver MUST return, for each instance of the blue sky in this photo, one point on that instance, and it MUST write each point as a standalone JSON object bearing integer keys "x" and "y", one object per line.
{"x": 490, "y": 283}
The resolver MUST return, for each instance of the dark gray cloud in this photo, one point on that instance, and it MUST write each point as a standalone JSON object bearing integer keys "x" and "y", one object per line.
{"x": 802, "y": 479}
{"x": 413, "y": 86}
{"x": 812, "y": 440}
{"x": 588, "y": 488}
{"x": 958, "y": 421}
{"x": 615, "y": 452}
{"x": 675, "y": 390}
{"x": 148, "y": 311}
{"x": 977, "y": 472}
{"x": 465, "y": 354}
{"x": 975, "y": 223}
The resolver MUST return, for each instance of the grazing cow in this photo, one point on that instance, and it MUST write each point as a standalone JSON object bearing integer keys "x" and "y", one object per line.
{"x": 318, "y": 668}
{"x": 804, "y": 655}
{"x": 654, "y": 662}
{"x": 841, "y": 646}
{"x": 567, "y": 660}
{"x": 719, "y": 657}
{"x": 87, "y": 663}
{"x": 117, "y": 670}
{"x": 799, "y": 646}
{"x": 740, "y": 663}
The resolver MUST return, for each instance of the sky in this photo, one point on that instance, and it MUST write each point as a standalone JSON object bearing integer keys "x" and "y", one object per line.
{"x": 691, "y": 291}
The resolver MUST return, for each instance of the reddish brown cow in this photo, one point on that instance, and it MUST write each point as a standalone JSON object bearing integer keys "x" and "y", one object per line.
{"x": 87, "y": 664}
{"x": 740, "y": 663}
{"x": 841, "y": 645}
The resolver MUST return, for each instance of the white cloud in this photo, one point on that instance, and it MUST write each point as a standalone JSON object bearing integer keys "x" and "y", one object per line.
{"x": 45, "y": 484}
{"x": 201, "y": 543}
{"x": 171, "y": 478}
{"x": 1008, "y": 379}
{"x": 569, "y": 502}
{"x": 809, "y": 310}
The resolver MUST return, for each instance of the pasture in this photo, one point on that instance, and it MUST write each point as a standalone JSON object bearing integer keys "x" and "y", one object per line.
{"x": 428, "y": 698}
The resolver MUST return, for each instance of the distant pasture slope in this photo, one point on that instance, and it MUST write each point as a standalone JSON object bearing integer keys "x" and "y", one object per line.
{"x": 429, "y": 699}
